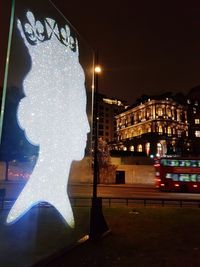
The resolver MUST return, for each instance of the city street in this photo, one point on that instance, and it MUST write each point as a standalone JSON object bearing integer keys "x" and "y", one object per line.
{"x": 113, "y": 191}
{"x": 141, "y": 191}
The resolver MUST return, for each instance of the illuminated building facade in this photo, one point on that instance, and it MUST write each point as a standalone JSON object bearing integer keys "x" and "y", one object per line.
{"x": 156, "y": 127}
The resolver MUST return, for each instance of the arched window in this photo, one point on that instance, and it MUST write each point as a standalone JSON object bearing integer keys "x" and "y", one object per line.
{"x": 169, "y": 130}
{"x": 159, "y": 150}
{"x": 148, "y": 112}
{"x": 169, "y": 112}
{"x": 125, "y": 148}
{"x": 147, "y": 148}
{"x": 139, "y": 148}
{"x": 160, "y": 129}
{"x": 131, "y": 148}
{"x": 160, "y": 112}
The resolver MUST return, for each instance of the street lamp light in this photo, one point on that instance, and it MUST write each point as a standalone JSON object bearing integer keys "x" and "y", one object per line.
{"x": 98, "y": 225}
{"x": 97, "y": 69}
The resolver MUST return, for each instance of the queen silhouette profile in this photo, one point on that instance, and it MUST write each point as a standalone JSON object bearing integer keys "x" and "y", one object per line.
{"x": 52, "y": 114}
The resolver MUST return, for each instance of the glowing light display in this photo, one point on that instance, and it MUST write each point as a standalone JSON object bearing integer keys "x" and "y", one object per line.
{"x": 52, "y": 114}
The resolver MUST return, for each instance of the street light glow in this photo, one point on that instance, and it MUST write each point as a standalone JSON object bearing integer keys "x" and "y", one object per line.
{"x": 97, "y": 69}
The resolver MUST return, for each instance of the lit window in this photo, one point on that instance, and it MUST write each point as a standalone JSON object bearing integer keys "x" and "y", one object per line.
{"x": 124, "y": 148}
{"x": 159, "y": 150}
{"x": 131, "y": 148}
{"x": 194, "y": 110}
{"x": 160, "y": 112}
{"x": 139, "y": 148}
{"x": 197, "y": 133}
{"x": 188, "y": 101}
{"x": 169, "y": 112}
{"x": 147, "y": 148}
{"x": 169, "y": 130}
{"x": 160, "y": 130}
{"x": 197, "y": 121}
{"x": 196, "y": 103}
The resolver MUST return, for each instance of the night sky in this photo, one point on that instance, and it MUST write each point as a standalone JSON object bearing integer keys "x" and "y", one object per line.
{"x": 145, "y": 47}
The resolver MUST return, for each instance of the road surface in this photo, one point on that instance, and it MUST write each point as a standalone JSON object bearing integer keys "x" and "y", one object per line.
{"x": 13, "y": 189}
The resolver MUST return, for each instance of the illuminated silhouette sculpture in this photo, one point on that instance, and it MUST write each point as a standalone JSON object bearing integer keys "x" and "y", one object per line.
{"x": 52, "y": 114}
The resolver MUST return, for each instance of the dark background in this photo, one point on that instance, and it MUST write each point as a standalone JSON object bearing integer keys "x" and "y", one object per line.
{"x": 145, "y": 47}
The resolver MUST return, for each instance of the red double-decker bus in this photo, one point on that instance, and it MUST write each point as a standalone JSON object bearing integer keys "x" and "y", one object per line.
{"x": 178, "y": 174}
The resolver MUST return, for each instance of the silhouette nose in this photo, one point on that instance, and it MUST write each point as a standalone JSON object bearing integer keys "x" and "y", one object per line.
{"x": 87, "y": 125}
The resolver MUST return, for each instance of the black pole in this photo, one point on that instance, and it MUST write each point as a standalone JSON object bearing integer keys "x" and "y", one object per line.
{"x": 98, "y": 225}
{"x": 96, "y": 118}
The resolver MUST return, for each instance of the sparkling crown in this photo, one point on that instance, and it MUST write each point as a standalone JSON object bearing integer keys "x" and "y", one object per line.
{"x": 35, "y": 32}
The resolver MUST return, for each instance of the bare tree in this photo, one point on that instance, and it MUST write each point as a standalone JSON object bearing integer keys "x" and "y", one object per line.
{"x": 106, "y": 168}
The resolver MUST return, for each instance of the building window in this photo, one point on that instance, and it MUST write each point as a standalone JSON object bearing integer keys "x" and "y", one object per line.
{"x": 159, "y": 150}
{"x": 169, "y": 130}
{"x": 148, "y": 112}
{"x": 101, "y": 107}
{"x": 125, "y": 148}
{"x": 196, "y": 103}
{"x": 169, "y": 112}
{"x": 194, "y": 110}
{"x": 147, "y": 148}
{"x": 197, "y": 133}
{"x": 160, "y": 112}
{"x": 140, "y": 115}
{"x": 197, "y": 121}
{"x": 139, "y": 148}
{"x": 160, "y": 129}
{"x": 131, "y": 148}
{"x": 101, "y": 133}
{"x": 188, "y": 101}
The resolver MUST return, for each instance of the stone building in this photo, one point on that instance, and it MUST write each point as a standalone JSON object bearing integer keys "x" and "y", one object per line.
{"x": 156, "y": 127}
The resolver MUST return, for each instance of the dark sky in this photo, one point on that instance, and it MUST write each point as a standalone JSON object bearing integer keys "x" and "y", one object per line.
{"x": 145, "y": 47}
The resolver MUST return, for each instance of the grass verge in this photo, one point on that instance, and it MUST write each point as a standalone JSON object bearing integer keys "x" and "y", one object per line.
{"x": 142, "y": 237}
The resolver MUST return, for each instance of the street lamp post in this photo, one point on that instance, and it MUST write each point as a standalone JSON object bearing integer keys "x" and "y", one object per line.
{"x": 97, "y": 71}
{"x": 98, "y": 225}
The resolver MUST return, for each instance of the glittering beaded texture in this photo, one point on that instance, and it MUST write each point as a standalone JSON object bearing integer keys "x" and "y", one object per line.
{"x": 52, "y": 114}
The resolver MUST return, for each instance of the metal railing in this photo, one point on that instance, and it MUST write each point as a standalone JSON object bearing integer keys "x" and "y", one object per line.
{"x": 121, "y": 201}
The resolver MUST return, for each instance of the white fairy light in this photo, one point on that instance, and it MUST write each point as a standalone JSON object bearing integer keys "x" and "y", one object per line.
{"x": 53, "y": 116}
